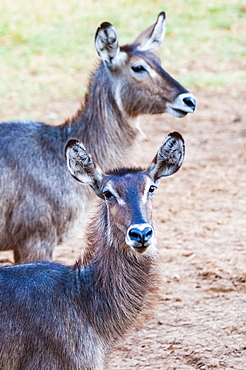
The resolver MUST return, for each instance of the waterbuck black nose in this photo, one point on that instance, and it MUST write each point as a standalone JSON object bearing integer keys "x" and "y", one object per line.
{"x": 190, "y": 101}
{"x": 141, "y": 236}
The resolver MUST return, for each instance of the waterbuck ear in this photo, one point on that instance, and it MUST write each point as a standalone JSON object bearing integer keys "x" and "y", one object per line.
{"x": 106, "y": 43}
{"x": 152, "y": 37}
{"x": 169, "y": 157}
{"x": 81, "y": 165}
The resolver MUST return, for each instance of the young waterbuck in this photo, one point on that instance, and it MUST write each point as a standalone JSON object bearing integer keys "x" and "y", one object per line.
{"x": 40, "y": 203}
{"x": 60, "y": 317}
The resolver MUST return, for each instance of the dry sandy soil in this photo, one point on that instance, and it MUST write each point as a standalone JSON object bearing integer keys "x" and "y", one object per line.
{"x": 200, "y": 213}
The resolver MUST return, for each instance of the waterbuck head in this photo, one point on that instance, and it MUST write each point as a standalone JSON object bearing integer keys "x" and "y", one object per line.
{"x": 127, "y": 192}
{"x": 141, "y": 85}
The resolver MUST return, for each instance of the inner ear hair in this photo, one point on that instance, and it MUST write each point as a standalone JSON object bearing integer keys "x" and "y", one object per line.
{"x": 169, "y": 157}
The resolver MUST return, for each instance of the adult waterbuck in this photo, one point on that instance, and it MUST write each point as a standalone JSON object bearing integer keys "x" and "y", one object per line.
{"x": 40, "y": 204}
{"x": 61, "y": 317}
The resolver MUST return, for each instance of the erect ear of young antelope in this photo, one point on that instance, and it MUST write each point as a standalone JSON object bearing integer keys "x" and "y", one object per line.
{"x": 169, "y": 157}
{"x": 137, "y": 73}
{"x": 107, "y": 44}
{"x": 151, "y": 38}
{"x": 166, "y": 162}
{"x": 82, "y": 167}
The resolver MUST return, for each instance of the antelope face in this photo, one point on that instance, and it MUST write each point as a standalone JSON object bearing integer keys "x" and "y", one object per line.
{"x": 127, "y": 192}
{"x": 141, "y": 84}
{"x": 128, "y": 196}
{"x": 146, "y": 88}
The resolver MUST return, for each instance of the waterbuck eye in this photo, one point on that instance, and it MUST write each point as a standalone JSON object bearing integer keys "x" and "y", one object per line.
{"x": 138, "y": 69}
{"x": 108, "y": 194}
{"x": 152, "y": 189}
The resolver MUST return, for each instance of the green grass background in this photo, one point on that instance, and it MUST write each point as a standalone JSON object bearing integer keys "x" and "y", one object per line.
{"x": 47, "y": 46}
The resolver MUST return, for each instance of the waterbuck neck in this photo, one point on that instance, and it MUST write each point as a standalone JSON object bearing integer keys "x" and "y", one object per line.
{"x": 101, "y": 124}
{"x": 120, "y": 283}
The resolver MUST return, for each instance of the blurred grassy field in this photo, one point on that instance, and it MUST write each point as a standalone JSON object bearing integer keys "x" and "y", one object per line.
{"x": 47, "y": 47}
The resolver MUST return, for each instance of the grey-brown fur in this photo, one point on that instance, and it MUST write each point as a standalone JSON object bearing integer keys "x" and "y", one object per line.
{"x": 41, "y": 205}
{"x": 56, "y": 317}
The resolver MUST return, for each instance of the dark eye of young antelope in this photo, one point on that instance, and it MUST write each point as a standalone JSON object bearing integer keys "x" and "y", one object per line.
{"x": 108, "y": 195}
{"x": 138, "y": 69}
{"x": 152, "y": 189}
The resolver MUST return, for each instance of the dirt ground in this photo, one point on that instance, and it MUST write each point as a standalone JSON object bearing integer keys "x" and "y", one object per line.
{"x": 200, "y": 213}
